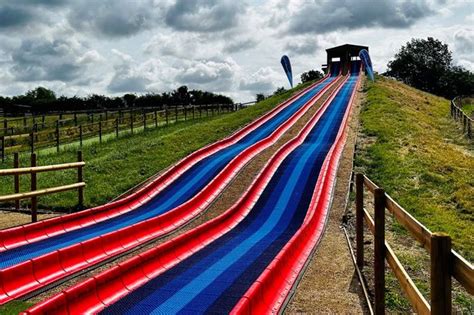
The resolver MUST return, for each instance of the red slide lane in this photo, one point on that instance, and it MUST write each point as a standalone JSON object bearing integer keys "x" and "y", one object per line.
{"x": 270, "y": 291}
{"x": 29, "y": 233}
{"x": 53, "y": 266}
{"x": 104, "y": 289}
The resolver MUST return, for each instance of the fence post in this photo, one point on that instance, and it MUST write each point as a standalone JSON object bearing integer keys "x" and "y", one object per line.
{"x": 176, "y": 113}
{"x": 441, "y": 271}
{"x": 166, "y": 113}
{"x": 2, "y": 140}
{"x": 32, "y": 141}
{"x": 75, "y": 119}
{"x": 16, "y": 164}
{"x": 200, "y": 110}
{"x": 100, "y": 131}
{"x": 379, "y": 251}
{"x": 469, "y": 129}
{"x": 144, "y": 120}
{"x": 185, "y": 113}
{"x": 117, "y": 127}
{"x": 34, "y": 200}
{"x": 194, "y": 112}
{"x": 360, "y": 220}
{"x": 156, "y": 119}
{"x": 132, "y": 117}
{"x": 80, "y": 179}
{"x": 80, "y": 135}
{"x": 57, "y": 135}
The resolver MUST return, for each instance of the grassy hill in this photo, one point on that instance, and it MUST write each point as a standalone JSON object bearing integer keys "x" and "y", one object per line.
{"x": 410, "y": 146}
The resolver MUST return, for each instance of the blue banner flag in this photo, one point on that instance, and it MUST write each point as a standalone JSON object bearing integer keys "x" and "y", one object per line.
{"x": 285, "y": 62}
{"x": 365, "y": 57}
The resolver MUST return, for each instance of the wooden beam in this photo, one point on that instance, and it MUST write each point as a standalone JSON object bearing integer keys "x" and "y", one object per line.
{"x": 463, "y": 271}
{"x": 441, "y": 300}
{"x": 417, "y": 300}
{"x": 379, "y": 251}
{"x": 39, "y": 169}
{"x": 371, "y": 186}
{"x": 41, "y": 192}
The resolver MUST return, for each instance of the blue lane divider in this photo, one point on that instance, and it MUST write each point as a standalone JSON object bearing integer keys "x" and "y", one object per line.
{"x": 181, "y": 190}
{"x": 215, "y": 278}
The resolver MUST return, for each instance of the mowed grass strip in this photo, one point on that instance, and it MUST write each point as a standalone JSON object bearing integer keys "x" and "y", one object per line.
{"x": 410, "y": 146}
{"x": 118, "y": 165}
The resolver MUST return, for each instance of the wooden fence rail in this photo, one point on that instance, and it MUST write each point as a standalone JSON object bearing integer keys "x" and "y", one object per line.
{"x": 445, "y": 262}
{"x": 459, "y": 115}
{"x": 34, "y": 193}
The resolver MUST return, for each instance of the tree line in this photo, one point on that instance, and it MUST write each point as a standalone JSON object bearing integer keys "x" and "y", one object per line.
{"x": 42, "y": 100}
{"x": 427, "y": 64}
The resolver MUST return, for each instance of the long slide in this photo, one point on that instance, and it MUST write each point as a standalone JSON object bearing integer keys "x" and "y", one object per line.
{"x": 35, "y": 255}
{"x": 248, "y": 259}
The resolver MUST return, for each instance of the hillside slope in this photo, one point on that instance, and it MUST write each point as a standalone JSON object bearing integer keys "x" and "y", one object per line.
{"x": 412, "y": 148}
{"x": 409, "y": 145}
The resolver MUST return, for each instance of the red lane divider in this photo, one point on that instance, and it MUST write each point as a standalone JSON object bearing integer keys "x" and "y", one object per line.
{"x": 29, "y": 233}
{"x": 108, "y": 287}
{"x": 270, "y": 291}
{"x": 85, "y": 254}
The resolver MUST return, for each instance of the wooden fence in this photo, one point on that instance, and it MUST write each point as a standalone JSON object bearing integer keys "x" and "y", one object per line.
{"x": 445, "y": 262}
{"x": 129, "y": 120}
{"x": 459, "y": 115}
{"x": 34, "y": 193}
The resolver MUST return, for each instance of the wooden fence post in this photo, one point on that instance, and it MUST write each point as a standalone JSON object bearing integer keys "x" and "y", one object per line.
{"x": 441, "y": 271}
{"x": 379, "y": 251}
{"x": 360, "y": 220}
{"x": 100, "y": 131}
{"x": 80, "y": 135}
{"x": 117, "y": 127}
{"x": 185, "y": 112}
{"x": 32, "y": 141}
{"x": 80, "y": 179}
{"x": 156, "y": 119}
{"x": 57, "y": 135}
{"x": 176, "y": 113}
{"x": 166, "y": 114}
{"x": 144, "y": 120}
{"x": 132, "y": 117}
{"x": 2, "y": 140}
{"x": 16, "y": 164}
{"x": 34, "y": 200}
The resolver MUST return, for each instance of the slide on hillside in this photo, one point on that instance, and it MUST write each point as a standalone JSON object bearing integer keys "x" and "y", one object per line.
{"x": 47, "y": 251}
{"x": 247, "y": 259}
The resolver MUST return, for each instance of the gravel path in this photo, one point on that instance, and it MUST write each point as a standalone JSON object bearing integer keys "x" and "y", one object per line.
{"x": 330, "y": 284}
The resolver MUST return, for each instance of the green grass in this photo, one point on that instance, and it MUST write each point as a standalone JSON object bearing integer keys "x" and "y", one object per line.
{"x": 14, "y": 307}
{"x": 116, "y": 166}
{"x": 411, "y": 147}
{"x": 469, "y": 109}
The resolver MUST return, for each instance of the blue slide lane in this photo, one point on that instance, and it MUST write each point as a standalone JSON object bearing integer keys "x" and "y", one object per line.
{"x": 178, "y": 192}
{"x": 215, "y": 278}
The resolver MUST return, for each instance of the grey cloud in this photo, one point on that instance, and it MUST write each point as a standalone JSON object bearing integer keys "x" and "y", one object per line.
{"x": 262, "y": 86}
{"x": 204, "y": 15}
{"x": 40, "y": 59}
{"x": 14, "y": 17}
{"x": 240, "y": 45}
{"x": 464, "y": 41}
{"x": 113, "y": 18}
{"x": 127, "y": 84}
{"x": 326, "y": 16}
{"x": 302, "y": 47}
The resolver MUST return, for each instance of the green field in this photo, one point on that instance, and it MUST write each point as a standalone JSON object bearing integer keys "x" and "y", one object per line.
{"x": 410, "y": 146}
{"x": 120, "y": 164}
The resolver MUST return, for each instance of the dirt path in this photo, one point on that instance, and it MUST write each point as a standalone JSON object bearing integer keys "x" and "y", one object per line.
{"x": 226, "y": 199}
{"x": 330, "y": 284}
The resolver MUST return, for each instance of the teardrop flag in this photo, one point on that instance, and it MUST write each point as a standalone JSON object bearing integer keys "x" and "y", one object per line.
{"x": 365, "y": 57}
{"x": 285, "y": 62}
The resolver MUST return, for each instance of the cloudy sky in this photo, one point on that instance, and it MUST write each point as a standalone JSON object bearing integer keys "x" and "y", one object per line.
{"x": 79, "y": 47}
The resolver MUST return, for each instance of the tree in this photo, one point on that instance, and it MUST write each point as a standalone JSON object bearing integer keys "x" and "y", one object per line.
{"x": 279, "y": 91}
{"x": 311, "y": 75}
{"x": 421, "y": 64}
{"x": 260, "y": 97}
{"x": 129, "y": 99}
{"x": 41, "y": 94}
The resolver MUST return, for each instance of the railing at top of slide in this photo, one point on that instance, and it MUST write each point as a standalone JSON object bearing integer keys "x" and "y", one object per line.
{"x": 459, "y": 115}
